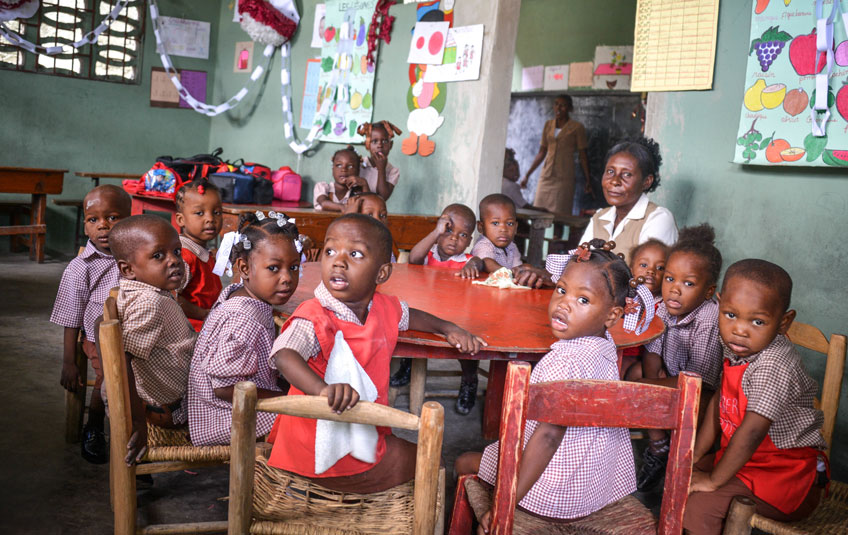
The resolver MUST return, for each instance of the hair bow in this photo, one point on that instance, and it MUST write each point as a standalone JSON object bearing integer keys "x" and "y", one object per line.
{"x": 222, "y": 259}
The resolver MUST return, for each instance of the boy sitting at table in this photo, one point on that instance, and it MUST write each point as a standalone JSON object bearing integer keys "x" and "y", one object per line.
{"x": 772, "y": 450}
{"x": 354, "y": 261}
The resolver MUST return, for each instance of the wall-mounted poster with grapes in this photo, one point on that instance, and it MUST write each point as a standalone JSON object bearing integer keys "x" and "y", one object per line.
{"x": 776, "y": 126}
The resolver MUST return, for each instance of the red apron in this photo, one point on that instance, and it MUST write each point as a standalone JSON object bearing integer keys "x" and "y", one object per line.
{"x": 452, "y": 264}
{"x": 780, "y": 477}
{"x": 204, "y": 287}
{"x": 372, "y": 345}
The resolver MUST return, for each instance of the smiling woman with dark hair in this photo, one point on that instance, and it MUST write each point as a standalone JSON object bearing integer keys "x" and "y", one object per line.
{"x": 631, "y": 171}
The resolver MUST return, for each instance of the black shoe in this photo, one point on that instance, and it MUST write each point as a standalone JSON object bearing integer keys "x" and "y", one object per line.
{"x": 94, "y": 445}
{"x": 467, "y": 397}
{"x": 402, "y": 376}
{"x": 143, "y": 482}
{"x": 652, "y": 469}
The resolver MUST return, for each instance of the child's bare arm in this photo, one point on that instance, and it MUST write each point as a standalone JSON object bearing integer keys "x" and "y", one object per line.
{"x": 326, "y": 204}
{"x": 137, "y": 445}
{"x": 742, "y": 446}
{"x": 191, "y": 310}
{"x": 419, "y": 253}
{"x": 70, "y": 379}
{"x": 455, "y": 335}
{"x": 384, "y": 187}
{"x": 471, "y": 269}
{"x": 293, "y": 367}
{"x": 490, "y": 266}
{"x": 540, "y": 156}
{"x": 708, "y": 431}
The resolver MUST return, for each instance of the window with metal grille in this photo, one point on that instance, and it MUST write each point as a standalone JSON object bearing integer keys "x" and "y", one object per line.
{"x": 116, "y": 57}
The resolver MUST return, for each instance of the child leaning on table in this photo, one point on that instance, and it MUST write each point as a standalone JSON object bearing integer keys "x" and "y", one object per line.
{"x": 355, "y": 260}
{"x": 79, "y": 302}
{"x": 333, "y": 196}
{"x": 571, "y": 472}
{"x": 158, "y": 338}
{"x": 772, "y": 450}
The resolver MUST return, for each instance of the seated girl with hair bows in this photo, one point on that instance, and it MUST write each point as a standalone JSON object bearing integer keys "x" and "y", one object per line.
{"x": 382, "y": 177}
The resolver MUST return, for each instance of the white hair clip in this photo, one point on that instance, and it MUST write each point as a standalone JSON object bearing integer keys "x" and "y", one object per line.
{"x": 246, "y": 242}
{"x": 298, "y": 245}
{"x": 260, "y": 216}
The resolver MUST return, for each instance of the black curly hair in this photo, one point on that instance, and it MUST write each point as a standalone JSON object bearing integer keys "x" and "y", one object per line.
{"x": 350, "y": 150}
{"x": 700, "y": 241}
{"x": 653, "y": 242}
{"x": 647, "y": 153}
{"x": 764, "y": 273}
{"x": 614, "y": 269}
{"x": 256, "y": 231}
{"x": 179, "y": 198}
{"x": 378, "y": 234}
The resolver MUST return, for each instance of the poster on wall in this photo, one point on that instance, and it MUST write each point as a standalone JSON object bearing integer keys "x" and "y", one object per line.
{"x": 183, "y": 37}
{"x": 461, "y": 60}
{"x": 613, "y": 67}
{"x": 776, "y": 123}
{"x": 346, "y": 77}
{"x": 556, "y": 78}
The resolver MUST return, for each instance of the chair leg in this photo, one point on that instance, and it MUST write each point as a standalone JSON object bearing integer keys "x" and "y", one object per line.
{"x": 739, "y": 518}
{"x": 417, "y": 385}
{"x": 75, "y": 401}
{"x": 440, "y": 504}
{"x": 462, "y": 515}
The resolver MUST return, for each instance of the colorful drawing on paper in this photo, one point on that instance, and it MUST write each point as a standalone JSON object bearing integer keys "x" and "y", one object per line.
{"x": 428, "y": 43}
{"x": 346, "y": 78}
{"x": 461, "y": 61}
{"x": 613, "y": 67}
{"x": 312, "y": 98}
{"x": 556, "y": 78}
{"x": 318, "y": 26}
{"x": 776, "y": 122}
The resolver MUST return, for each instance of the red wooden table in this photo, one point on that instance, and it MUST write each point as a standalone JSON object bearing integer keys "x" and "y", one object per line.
{"x": 514, "y": 323}
{"x": 38, "y": 183}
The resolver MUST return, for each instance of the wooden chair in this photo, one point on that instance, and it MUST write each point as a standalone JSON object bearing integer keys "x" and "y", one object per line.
{"x": 590, "y": 404}
{"x": 831, "y": 516}
{"x": 264, "y": 499}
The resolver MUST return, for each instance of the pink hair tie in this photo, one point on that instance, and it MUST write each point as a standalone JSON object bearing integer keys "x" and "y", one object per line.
{"x": 201, "y": 189}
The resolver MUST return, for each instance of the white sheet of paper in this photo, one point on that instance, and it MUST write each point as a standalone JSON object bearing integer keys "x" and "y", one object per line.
{"x": 556, "y": 78}
{"x": 580, "y": 74}
{"x": 532, "y": 78}
{"x": 184, "y": 37}
{"x": 461, "y": 61}
{"x": 428, "y": 43}
{"x": 318, "y": 26}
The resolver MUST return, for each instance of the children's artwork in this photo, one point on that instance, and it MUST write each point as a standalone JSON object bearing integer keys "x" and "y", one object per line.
{"x": 461, "y": 60}
{"x": 613, "y": 67}
{"x": 532, "y": 78}
{"x": 183, "y": 37}
{"x": 556, "y": 78}
{"x": 318, "y": 26}
{"x": 195, "y": 83}
{"x": 786, "y": 119}
{"x": 428, "y": 43}
{"x": 243, "y": 57}
{"x": 346, "y": 77}
{"x": 581, "y": 74}
{"x": 163, "y": 94}
{"x": 309, "y": 104}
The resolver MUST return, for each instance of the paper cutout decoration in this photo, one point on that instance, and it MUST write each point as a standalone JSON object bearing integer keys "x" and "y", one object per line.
{"x": 311, "y": 100}
{"x": 613, "y": 67}
{"x": 461, "y": 61}
{"x": 428, "y": 43}
{"x": 318, "y": 26}
{"x": 556, "y": 78}
{"x": 163, "y": 94}
{"x": 532, "y": 78}
{"x": 580, "y": 74}
{"x": 243, "y": 57}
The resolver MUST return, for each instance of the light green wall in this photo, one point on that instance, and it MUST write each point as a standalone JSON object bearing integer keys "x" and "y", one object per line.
{"x": 794, "y": 217}
{"x": 84, "y": 125}
{"x": 556, "y": 32}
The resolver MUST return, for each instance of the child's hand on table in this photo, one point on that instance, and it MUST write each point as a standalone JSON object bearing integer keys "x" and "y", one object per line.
{"x": 527, "y": 276}
{"x": 340, "y": 396}
{"x": 471, "y": 269}
{"x": 701, "y": 482}
{"x": 462, "y": 339}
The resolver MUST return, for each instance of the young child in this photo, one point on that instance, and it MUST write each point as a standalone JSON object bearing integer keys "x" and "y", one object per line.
{"x": 772, "y": 450}
{"x": 200, "y": 217}
{"x": 346, "y": 168}
{"x": 647, "y": 260}
{"x": 84, "y": 288}
{"x": 382, "y": 177}
{"x": 158, "y": 338}
{"x": 355, "y": 260}
{"x": 370, "y": 204}
{"x": 236, "y": 339}
{"x": 691, "y": 341}
{"x": 568, "y": 473}
{"x": 511, "y": 174}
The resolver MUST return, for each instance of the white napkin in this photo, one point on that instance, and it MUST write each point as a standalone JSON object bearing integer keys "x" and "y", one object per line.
{"x": 334, "y": 440}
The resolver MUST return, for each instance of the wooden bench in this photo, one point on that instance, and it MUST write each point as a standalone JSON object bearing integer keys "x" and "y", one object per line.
{"x": 16, "y": 212}
{"x": 38, "y": 183}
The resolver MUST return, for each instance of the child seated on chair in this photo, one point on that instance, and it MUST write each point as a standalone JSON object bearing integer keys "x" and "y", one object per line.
{"x": 158, "y": 338}
{"x": 691, "y": 341}
{"x": 571, "y": 472}
{"x": 382, "y": 176}
{"x": 372, "y": 205}
{"x": 332, "y": 197}
{"x": 200, "y": 217}
{"x": 354, "y": 261}
{"x": 772, "y": 450}
{"x": 237, "y": 336}
{"x": 84, "y": 288}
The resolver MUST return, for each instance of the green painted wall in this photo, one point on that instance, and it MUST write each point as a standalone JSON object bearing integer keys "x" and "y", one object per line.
{"x": 795, "y": 217}
{"x": 84, "y": 125}
{"x": 556, "y": 32}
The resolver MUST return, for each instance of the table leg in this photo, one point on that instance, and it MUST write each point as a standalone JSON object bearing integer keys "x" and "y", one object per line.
{"x": 39, "y": 208}
{"x": 534, "y": 245}
{"x": 417, "y": 384}
{"x": 494, "y": 398}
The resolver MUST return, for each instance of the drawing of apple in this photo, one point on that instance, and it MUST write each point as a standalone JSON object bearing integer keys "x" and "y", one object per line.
{"x": 842, "y": 101}
{"x": 840, "y": 56}
{"x": 802, "y": 55}
{"x": 330, "y": 32}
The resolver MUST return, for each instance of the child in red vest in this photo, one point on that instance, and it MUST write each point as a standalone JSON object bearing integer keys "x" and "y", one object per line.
{"x": 354, "y": 261}
{"x": 200, "y": 217}
{"x": 772, "y": 450}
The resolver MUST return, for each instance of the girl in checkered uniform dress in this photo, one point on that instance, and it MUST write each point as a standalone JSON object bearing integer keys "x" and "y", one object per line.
{"x": 569, "y": 473}
{"x": 236, "y": 338}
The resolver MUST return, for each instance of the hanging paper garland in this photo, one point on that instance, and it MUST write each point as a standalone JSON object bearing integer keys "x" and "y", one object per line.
{"x": 384, "y": 21}
{"x": 285, "y": 90}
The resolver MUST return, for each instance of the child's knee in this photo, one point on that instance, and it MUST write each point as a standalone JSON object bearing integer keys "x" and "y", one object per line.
{"x": 468, "y": 463}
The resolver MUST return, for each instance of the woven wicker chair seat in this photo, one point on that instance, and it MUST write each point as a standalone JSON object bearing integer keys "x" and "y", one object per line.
{"x": 287, "y": 504}
{"x": 627, "y": 516}
{"x": 829, "y": 518}
{"x": 174, "y": 445}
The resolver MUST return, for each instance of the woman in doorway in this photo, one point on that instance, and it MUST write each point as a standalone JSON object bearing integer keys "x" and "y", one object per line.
{"x": 561, "y": 138}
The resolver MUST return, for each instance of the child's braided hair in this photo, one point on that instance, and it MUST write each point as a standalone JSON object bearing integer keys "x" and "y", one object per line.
{"x": 388, "y": 128}
{"x": 200, "y": 185}
{"x": 253, "y": 230}
{"x": 619, "y": 280}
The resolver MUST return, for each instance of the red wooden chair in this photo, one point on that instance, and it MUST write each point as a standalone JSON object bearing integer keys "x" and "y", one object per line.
{"x": 592, "y": 404}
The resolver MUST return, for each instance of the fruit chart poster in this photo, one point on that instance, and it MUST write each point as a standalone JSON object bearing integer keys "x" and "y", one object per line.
{"x": 776, "y": 126}
{"x": 345, "y": 77}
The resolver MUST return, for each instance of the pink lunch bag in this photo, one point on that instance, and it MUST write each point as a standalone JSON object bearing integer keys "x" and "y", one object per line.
{"x": 287, "y": 184}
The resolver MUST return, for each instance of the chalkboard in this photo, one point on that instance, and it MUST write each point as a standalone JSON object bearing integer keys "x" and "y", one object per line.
{"x": 608, "y": 119}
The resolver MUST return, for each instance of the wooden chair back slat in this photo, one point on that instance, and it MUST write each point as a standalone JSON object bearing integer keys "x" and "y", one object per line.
{"x": 110, "y": 309}
{"x": 316, "y": 407}
{"x": 807, "y": 336}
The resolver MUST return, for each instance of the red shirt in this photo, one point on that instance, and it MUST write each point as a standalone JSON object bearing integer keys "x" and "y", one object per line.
{"x": 203, "y": 287}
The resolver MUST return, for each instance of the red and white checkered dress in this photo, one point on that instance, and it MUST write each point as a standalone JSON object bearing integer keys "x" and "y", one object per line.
{"x": 84, "y": 288}
{"x": 593, "y": 466}
{"x": 508, "y": 258}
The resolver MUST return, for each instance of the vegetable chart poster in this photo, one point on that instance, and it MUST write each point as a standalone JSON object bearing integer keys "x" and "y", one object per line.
{"x": 776, "y": 125}
{"x": 345, "y": 76}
